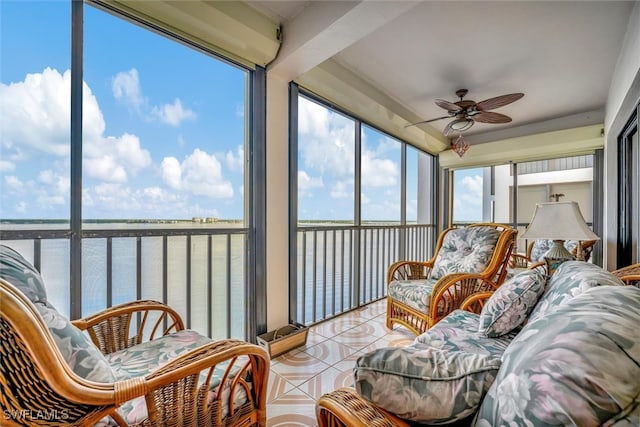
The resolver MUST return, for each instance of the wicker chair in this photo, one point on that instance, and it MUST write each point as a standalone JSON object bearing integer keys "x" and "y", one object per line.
{"x": 630, "y": 274}
{"x": 474, "y": 259}
{"x": 536, "y": 248}
{"x": 43, "y": 382}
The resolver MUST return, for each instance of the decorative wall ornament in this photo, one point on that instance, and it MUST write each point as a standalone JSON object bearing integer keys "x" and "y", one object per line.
{"x": 460, "y": 146}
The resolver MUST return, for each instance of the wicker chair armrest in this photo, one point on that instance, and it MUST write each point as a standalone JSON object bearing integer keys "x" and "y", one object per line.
{"x": 246, "y": 366}
{"x": 450, "y": 291}
{"x": 122, "y": 326}
{"x": 519, "y": 261}
{"x": 474, "y": 303}
{"x": 409, "y": 270}
{"x": 631, "y": 279}
{"x": 345, "y": 407}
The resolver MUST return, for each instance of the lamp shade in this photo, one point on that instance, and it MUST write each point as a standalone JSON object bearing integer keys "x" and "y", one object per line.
{"x": 558, "y": 221}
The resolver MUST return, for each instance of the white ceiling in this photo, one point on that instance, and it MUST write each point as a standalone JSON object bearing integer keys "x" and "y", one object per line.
{"x": 561, "y": 55}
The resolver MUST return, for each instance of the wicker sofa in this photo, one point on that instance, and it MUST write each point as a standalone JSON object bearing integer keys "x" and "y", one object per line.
{"x": 132, "y": 364}
{"x": 576, "y": 360}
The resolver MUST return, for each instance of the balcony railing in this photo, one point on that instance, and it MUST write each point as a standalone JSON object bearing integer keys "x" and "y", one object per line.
{"x": 202, "y": 271}
{"x": 340, "y": 268}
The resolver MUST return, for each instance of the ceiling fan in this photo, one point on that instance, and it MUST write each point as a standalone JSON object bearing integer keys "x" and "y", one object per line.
{"x": 466, "y": 112}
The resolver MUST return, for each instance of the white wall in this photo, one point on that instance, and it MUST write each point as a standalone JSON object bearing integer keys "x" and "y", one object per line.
{"x": 277, "y": 202}
{"x": 624, "y": 94}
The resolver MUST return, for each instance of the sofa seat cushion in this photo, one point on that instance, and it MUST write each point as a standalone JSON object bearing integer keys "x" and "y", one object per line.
{"x": 466, "y": 249}
{"x": 77, "y": 349}
{"x": 147, "y": 357}
{"x": 425, "y": 385}
{"x": 413, "y": 293}
{"x": 578, "y": 365}
{"x": 459, "y": 331}
{"x": 511, "y": 303}
{"x": 571, "y": 279}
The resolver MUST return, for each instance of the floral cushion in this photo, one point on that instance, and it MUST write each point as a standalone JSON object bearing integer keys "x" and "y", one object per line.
{"x": 82, "y": 356}
{"x": 147, "y": 357}
{"x": 578, "y": 365}
{"x": 465, "y": 250}
{"x": 459, "y": 331}
{"x": 21, "y": 274}
{"x": 571, "y": 279}
{"x": 541, "y": 247}
{"x": 414, "y": 293}
{"x": 511, "y": 303}
{"x": 425, "y": 385}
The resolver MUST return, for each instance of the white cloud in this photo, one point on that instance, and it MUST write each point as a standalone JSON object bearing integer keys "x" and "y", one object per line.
{"x": 126, "y": 87}
{"x": 173, "y": 114}
{"x": 200, "y": 174}
{"x": 313, "y": 118}
{"x": 467, "y": 198}
{"x": 171, "y": 172}
{"x": 235, "y": 161}
{"x": 341, "y": 190}
{"x": 13, "y": 182}
{"x": 59, "y": 183}
{"x": 35, "y": 114}
{"x": 378, "y": 172}
{"x": 305, "y": 182}
{"x": 21, "y": 207}
{"x": 36, "y": 121}
{"x": 7, "y": 166}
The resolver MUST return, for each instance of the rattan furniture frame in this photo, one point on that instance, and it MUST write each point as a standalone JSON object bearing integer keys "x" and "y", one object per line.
{"x": 451, "y": 290}
{"x": 630, "y": 274}
{"x": 35, "y": 379}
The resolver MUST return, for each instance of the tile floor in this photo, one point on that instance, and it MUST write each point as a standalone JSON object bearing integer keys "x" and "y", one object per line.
{"x": 325, "y": 363}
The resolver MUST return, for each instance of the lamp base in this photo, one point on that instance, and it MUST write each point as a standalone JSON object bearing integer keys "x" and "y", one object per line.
{"x": 558, "y": 251}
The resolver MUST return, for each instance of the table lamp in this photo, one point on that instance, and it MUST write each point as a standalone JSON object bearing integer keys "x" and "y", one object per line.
{"x": 559, "y": 221}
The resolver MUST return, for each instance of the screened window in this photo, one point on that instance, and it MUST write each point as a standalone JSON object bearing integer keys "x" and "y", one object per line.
{"x": 326, "y": 164}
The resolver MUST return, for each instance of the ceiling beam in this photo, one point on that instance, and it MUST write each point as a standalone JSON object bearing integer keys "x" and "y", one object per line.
{"x": 325, "y": 28}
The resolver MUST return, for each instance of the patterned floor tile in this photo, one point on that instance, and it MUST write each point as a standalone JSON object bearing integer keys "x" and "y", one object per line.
{"x": 278, "y": 386}
{"x": 325, "y": 382}
{"x": 330, "y": 352}
{"x": 361, "y": 335}
{"x": 294, "y": 408}
{"x": 334, "y": 327}
{"x": 298, "y": 367}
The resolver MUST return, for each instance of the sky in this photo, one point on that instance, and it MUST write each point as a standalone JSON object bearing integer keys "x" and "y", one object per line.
{"x": 163, "y": 130}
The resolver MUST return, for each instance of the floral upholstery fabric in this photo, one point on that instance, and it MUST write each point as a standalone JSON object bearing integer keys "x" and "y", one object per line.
{"x": 425, "y": 385}
{"x": 149, "y": 356}
{"x": 82, "y": 356}
{"x": 577, "y": 365}
{"x": 571, "y": 279}
{"x": 22, "y": 274}
{"x": 466, "y": 249}
{"x": 459, "y": 331}
{"x": 414, "y": 293}
{"x": 541, "y": 247}
{"x": 511, "y": 303}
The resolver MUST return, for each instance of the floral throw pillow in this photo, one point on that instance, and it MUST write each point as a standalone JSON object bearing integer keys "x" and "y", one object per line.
{"x": 21, "y": 274}
{"x": 84, "y": 358}
{"x": 511, "y": 303}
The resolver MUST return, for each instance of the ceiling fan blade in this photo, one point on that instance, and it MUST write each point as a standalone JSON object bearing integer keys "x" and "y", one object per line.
{"x": 427, "y": 121}
{"x": 449, "y": 106}
{"x": 491, "y": 117}
{"x": 498, "y": 101}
